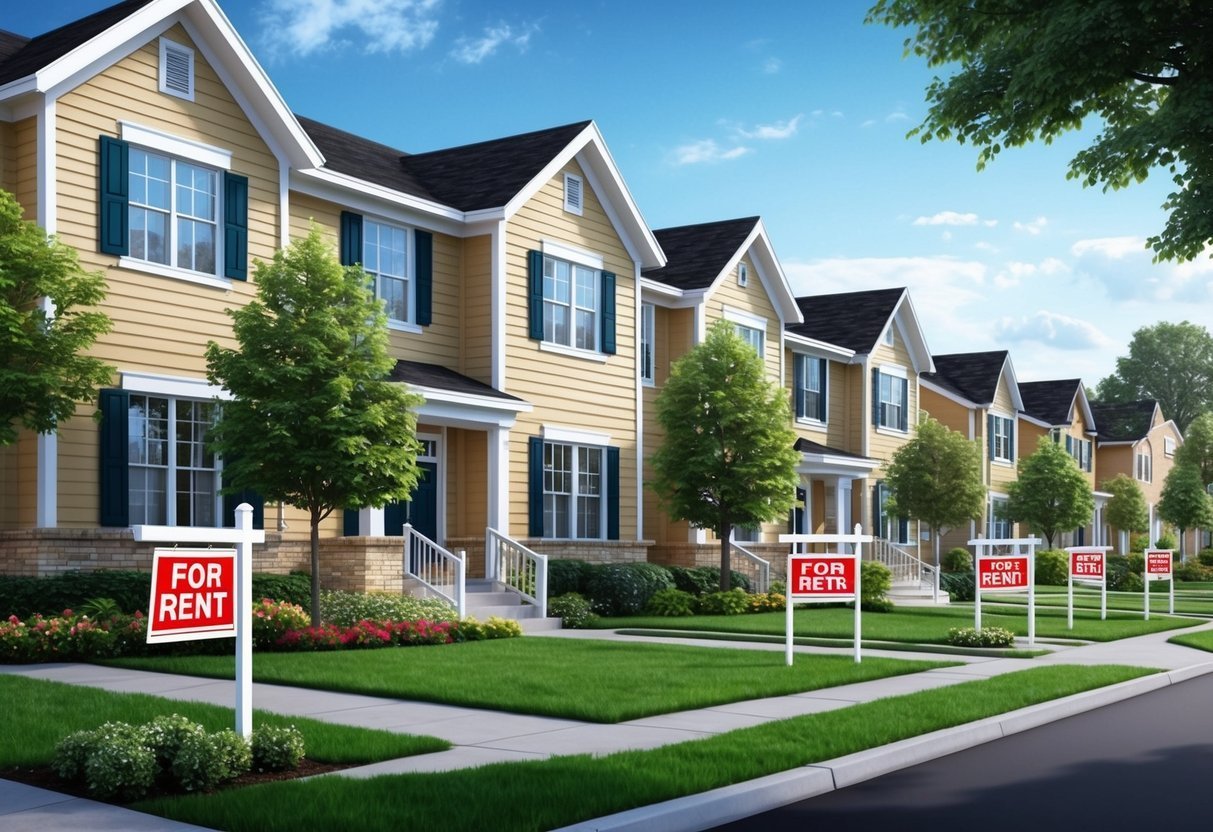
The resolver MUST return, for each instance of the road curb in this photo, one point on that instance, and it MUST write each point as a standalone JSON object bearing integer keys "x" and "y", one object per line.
{"x": 740, "y": 800}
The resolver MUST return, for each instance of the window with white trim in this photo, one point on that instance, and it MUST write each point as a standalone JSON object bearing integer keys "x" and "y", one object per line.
{"x": 753, "y": 337}
{"x": 174, "y": 207}
{"x": 176, "y": 69}
{"x": 1168, "y": 446}
{"x": 894, "y": 529}
{"x": 570, "y": 304}
{"x": 573, "y": 490}
{"x": 573, "y": 193}
{"x": 174, "y": 478}
{"x": 385, "y": 257}
{"x": 1143, "y": 467}
{"x": 648, "y": 316}
{"x": 1001, "y": 438}
{"x": 998, "y": 526}
{"x": 812, "y": 388}
{"x": 892, "y": 400}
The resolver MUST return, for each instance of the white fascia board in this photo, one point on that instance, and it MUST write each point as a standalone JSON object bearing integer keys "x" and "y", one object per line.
{"x": 947, "y": 394}
{"x": 1038, "y": 422}
{"x": 358, "y": 194}
{"x": 829, "y": 465}
{"x": 22, "y": 86}
{"x": 1105, "y": 443}
{"x": 917, "y": 342}
{"x": 770, "y": 273}
{"x": 1080, "y": 397}
{"x": 1008, "y": 373}
{"x": 654, "y": 291}
{"x": 444, "y": 407}
{"x": 811, "y": 346}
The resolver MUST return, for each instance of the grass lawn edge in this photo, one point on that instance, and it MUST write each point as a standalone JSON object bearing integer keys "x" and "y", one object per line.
{"x": 810, "y": 641}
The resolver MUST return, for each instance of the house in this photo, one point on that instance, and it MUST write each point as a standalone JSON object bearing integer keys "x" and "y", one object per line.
{"x": 725, "y": 270}
{"x": 148, "y": 138}
{"x": 853, "y": 366}
{"x": 1135, "y": 439}
{"x": 977, "y": 395}
{"x": 1059, "y": 411}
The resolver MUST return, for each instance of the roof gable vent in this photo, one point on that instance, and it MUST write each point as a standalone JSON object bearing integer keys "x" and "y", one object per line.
{"x": 572, "y": 194}
{"x": 176, "y": 69}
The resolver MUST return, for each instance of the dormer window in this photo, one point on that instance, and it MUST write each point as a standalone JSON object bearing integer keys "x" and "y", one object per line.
{"x": 573, "y": 193}
{"x": 743, "y": 275}
{"x": 176, "y": 69}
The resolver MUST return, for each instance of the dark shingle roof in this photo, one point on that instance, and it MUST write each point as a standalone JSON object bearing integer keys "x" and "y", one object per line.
{"x": 1049, "y": 401}
{"x": 470, "y": 177}
{"x": 806, "y": 446}
{"x": 44, "y": 49}
{"x": 440, "y": 378}
{"x": 697, "y": 254}
{"x": 853, "y": 320}
{"x": 972, "y": 374}
{"x": 1123, "y": 421}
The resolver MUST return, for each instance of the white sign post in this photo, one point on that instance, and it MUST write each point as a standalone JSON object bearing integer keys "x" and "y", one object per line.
{"x": 244, "y": 536}
{"x": 1006, "y": 565}
{"x": 1158, "y": 568}
{"x": 825, "y": 577}
{"x": 1088, "y": 565}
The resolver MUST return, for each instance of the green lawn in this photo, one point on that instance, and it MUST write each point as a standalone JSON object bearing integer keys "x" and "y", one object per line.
{"x": 37, "y": 714}
{"x": 595, "y": 681}
{"x": 1187, "y": 600}
{"x": 1201, "y": 641}
{"x": 564, "y": 790}
{"x": 924, "y": 625}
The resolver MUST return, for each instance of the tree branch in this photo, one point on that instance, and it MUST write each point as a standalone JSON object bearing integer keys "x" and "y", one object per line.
{"x": 1161, "y": 80}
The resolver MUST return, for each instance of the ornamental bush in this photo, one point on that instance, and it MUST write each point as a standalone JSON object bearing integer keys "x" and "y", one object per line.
{"x": 625, "y": 588}
{"x": 960, "y": 586}
{"x": 1052, "y": 567}
{"x": 768, "y": 602}
{"x": 1206, "y": 556}
{"x": 273, "y": 618}
{"x": 671, "y": 602}
{"x": 985, "y": 637}
{"x": 732, "y": 602}
{"x": 875, "y": 581}
{"x": 701, "y": 580}
{"x": 1166, "y": 541}
{"x": 566, "y": 575}
{"x": 573, "y": 610}
{"x": 348, "y": 608}
{"x": 164, "y": 735}
{"x": 957, "y": 559}
{"x": 120, "y": 766}
{"x": 276, "y": 748}
{"x": 206, "y": 760}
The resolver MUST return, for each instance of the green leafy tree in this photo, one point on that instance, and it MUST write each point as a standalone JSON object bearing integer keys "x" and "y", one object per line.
{"x": 728, "y": 458}
{"x": 42, "y": 371}
{"x": 1126, "y": 509}
{"x": 1197, "y": 448}
{"x": 314, "y": 422}
{"x": 1050, "y": 493}
{"x": 1172, "y": 363}
{"x": 936, "y": 478}
{"x": 1036, "y": 69}
{"x": 1184, "y": 502}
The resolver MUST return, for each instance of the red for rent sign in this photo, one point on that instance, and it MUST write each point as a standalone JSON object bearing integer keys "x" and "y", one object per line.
{"x": 193, "y": 595}
{"x": 1158, "y": 563}
{"x": 1002, "y": 574}
{"x": 822, "y": 578}
{"x": 1087, "y": 566}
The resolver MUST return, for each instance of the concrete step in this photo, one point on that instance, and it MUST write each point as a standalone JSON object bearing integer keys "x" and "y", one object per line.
{"x": 492, "y": 599}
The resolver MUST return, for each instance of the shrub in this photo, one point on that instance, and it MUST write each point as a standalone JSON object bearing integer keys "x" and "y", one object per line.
{"x": 732, "y": 602}
{"x": 1137, "y": 563}
{"x": 164, "y": 735}
{"x": 957, "y": 559}
{"x": 1192, "y": 571}
{"x": 768, "y": 602}
{"x": 1052, "y": 567}
{"x": 295, "y": 588}
{"x": 498, "y": 627}
{"x": 573, "y": 610}
{"x": 701, "y": 580}
{"x": 985, "y": 637}
{"x": 875, "y": 580}
{"x": 348, "y": 608}
{"x": 120, "y": 766}
{"x": 206, "y": 760}
{"x": 1206, "y": 556}
{"x": 276, "y": 748}
{"x": 71, "y": 754}
{"x": 273, "y": 618}
{"x": 1138, "y": 541}
{"x": 624, "y": 588}
{"x": 566, "y": 575}
{"x": 960, "y": 586}
{"x": 778, "y": 588}
{"x": 1166, "y": 541}
{"x": 671, "y": 602}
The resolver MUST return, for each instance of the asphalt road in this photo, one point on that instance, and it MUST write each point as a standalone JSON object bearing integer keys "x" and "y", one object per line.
{"x": 1142, "y": 764}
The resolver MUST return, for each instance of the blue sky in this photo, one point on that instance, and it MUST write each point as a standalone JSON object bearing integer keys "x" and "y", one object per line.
{"x": 795, "y": 111}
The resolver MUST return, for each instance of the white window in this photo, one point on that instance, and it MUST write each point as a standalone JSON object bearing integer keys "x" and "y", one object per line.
{"x": 1001, "y": 438}
{"x": 753, "y": 337}
{"x": 747, "y": 534}
{"x": 893, "y": 529}
{"x": 647, "y": 331}
{"x": 812, "y": 391}
{"x": 1168, "y": 446}
{"x": 573, "y": 193}
{"x": 892, "y": 400}
{"x": 573, "y": 485}
{"x": 1143, "y": 467}
{"x": 385, "y": 259}
{"x": 176, "y": 69}
{"x": 173, "y": 212}
{"x": 570, "y": 304}
{"x": 743, "y": 275}
{"x": 999, "y": 526}
{"x": 174, "y": 478}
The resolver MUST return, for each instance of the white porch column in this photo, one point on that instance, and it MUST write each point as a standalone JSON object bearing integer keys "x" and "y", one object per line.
{"x": 842, "y": 505}
{"x": 499, "y": 479}
{"x": 370, "y": 522}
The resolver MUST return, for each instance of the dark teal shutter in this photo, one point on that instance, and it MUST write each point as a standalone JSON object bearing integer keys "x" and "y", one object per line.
{"x": 1011, "y": 438}
{"x": 798, "y": 391}
{"x": 115, "y": 476}
{"x": 349, "y": 522}
{"x": 876, "y": 398}
{"x": 612, "y": 484}
{"x": 534, "y": 268}
{"x": 905, "y": 404}
{"x": 113, "y": 184}
{"x": 877, "y": 511}
{"x": 608, "y": 313}
{"x": 990, "y": 434}
{"x": 535, "y": 487}
{"x": 823, "y": 387}
{"x": 247, "y": 495}
{"x": 351, "y": 238}
{"x": 235, "y": 226}
{"x": 425, "y": 277}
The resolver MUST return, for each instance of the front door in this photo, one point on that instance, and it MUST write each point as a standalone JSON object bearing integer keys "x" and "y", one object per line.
{"x": 421, "y": 510}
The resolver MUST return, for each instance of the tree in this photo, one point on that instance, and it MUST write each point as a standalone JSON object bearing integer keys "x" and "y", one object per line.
{"x": 1126, "y": 509}
{"x": 936, "y": 478}
{"x": 728, "y": 457}
{"x": 1172, "y": 363}
{"x": 1184, "y": 502}
{"x": 314, "y": 422}
{"x": 42, "y": 373}
{"x": 1050, "y": 493}
{"x": 1036, "y": 69}
{"x": 1197, "y": 448}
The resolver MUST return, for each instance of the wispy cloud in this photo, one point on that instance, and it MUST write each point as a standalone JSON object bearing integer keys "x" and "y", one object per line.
{"x": 774, "y": 131}
{"x": 1058, "y": 331}
{"x": 1015, "y": 272}
{"x": 706, "y": 151}
{"x": 948, "y": 218}
{"x": 476, "y": 50}
{"x": 772, "y": 66}
{"x": 1033, "y": 227}
{"x": 298, "y": 28}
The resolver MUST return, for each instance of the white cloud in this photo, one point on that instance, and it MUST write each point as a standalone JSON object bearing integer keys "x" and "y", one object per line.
{"x": 1122, "y": 266}
{"x": 771, "y": 66}
{"x": 475, "y": 50}
{"x": 1057, "y": 331}
{"x": 1034, "y": 227}
{"x": 1113, "y": 248}
{"x": 1015, "y": 272}
{"x": 948, "y": 218}
{"x": 777, "y": 130}
{"x": 895, "y": 116}
{"x": 302, "y": 27}
{"x": 706, "y": 151}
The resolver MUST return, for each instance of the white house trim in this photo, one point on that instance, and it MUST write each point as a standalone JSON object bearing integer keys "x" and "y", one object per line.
{"x": 188, "y": 149}
{"x": 178, "y": 386}
{"x": 575, "y": 436}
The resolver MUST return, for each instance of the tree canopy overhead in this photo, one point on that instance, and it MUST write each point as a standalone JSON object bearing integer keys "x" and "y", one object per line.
{"x": 1172, "y": 363}
{"x": 1035, "y": 69}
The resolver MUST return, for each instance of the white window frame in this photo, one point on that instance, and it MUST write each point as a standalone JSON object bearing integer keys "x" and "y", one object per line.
{"x": 173, "y": 465}
{"x": 749, "y": 327}
{"x": 409, "y": 323}
{"x": 575, "y": 495}
{"x": 1143, "y": 466}
{"x": 996, "y": 528}
{"x": 823, "y": 392}
{"x": 1168, "y": 446}
{"x": 892, "y": 372}
{"x": 167, "y": 46}
{"x": 1004, "y": 441}
{"x": 743, "y": 274}
{"x": 574, "y": 204}
{"x": 648, "y": 351}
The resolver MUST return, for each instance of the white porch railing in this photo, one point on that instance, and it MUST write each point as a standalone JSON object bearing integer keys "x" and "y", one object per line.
{"x": 441, "y": 572}
{"x": 517, "y": 568}
{"x": 753, "y": 567}
{"x": 906, "y": 567}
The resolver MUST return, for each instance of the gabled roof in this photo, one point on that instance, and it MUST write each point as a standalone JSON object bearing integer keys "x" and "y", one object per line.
{"x": 1124, "y": 421}
{"x": 974, "y": 375}
{"x": 807, "y": 446}
{"x": 1052, "y": 402}
{"x": 31, "y": 54}
{"x": 857, "y": 320}
{"x": 697, "y": 254}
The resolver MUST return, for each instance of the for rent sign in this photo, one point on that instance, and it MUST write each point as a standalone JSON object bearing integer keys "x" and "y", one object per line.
{"x": 193, "y": 595}
{"x": 1158, "y": 564}
{"x": 1086, "y": 564}
{"x": 822, "y": 578}
{"x": 1002, "y": 574}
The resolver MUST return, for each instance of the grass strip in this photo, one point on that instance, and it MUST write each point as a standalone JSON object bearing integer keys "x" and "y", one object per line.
{"x": 1201, "y": 641}
{"x": 564, "y": 790}
{"x": 589, "y": 680}
{"x": 942, "y": 649}
{"x": 38, "y": 713}
{"x": 918, "y": 625}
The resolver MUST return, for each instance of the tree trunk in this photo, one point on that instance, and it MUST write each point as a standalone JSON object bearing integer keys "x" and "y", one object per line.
{"x": 726, "y": 552}
{"x": 315, "y": 570}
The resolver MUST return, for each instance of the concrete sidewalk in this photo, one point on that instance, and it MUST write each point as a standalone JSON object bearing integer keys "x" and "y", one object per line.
{"x": 481, "y": 737}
